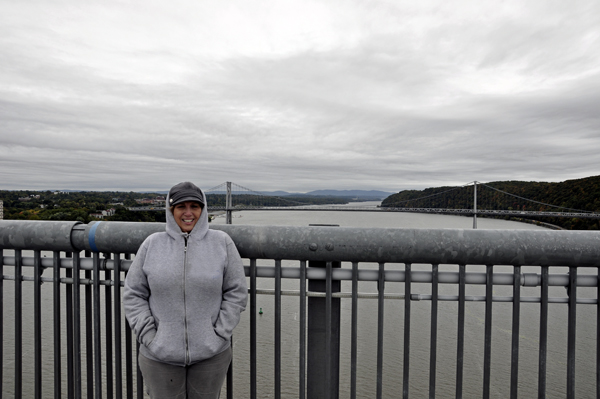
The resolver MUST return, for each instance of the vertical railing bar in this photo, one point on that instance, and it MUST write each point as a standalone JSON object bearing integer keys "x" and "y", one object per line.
{"x": 460, "y": 334}
{"x": 229, "y": 381}
{"x": 302, "y": 376}
{"x": 277, "y": 329}
{"x": 97, "y": 326}
{"x": 128, "y": 352}
{"x": 37, "y": 324}
{"x": 543, "y": 334}
{"x": 77, "y": 324}
{"x": 69, "y": 322}
{"x": 129, "y": 359}
{"x": 117, "y": 326}
{"x": 253, "y": 317}
{"x": 380, "y": 324}
{"x": 328, "y": 315}
{"x": 56, "y": 316}
{"x": 487, "y": 350}
{"x": 407, "y": 300}
{"x": 18, "y": 324}
{"x": 433, "y": 335}
{"x": 516, "y": 317}
{"x": 572, "y": 316}
{"x": 108, "y": 316}
{"x": 89, "y": 334}
{"x": 354, "y": 332}
{"x": 139, "y": 377}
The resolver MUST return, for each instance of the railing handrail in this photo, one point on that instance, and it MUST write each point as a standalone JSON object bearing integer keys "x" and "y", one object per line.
{"x": 433, "y": 246}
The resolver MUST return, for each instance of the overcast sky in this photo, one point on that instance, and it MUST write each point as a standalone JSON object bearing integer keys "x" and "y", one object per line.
{"x": 297, "y": 95}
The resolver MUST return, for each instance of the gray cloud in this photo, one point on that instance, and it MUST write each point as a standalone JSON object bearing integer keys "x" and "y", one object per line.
{"x": 364, "y": 96}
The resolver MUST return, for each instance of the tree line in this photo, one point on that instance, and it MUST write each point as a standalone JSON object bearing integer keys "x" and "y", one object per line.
{"x": 75, "y": 205}
{"x": 82, "y": 205}
{"x": 570, "y": 195}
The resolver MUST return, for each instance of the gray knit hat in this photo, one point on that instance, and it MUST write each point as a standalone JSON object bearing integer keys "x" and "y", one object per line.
{"x": 185, "y": 191}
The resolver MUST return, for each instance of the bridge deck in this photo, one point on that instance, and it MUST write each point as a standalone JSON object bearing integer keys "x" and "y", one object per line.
{"x": 465, "y": 212}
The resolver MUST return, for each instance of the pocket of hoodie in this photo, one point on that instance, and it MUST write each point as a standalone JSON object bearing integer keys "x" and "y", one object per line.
{"x": 219, "y": 336}
{"x": 204, "y": 342}
{"x": 156, "y": 325}
{"x": 168, "y": 344}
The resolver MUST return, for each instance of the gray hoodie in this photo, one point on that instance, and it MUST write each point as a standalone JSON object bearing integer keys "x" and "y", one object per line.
{"x": 184, "y": 293}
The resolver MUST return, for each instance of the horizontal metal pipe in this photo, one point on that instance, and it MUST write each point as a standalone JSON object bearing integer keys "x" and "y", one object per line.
{"x": 527, "y": 279}
{"x": 426, "y": 297}
{"x": 413, "y": 297}
{"x": 481, "y": 298}
{"x": 416, "y": 297}
{"x": 439, "y": 246}
{"x": 64, "y": 280}
{"x": 113, "y": 237}
{"x": 42, "y": 235}
{"x": 560, "y": 280}
{"x": 67, "y": 263}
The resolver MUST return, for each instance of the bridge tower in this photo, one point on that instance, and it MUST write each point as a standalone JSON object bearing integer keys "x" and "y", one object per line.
{"x": 228, "y": 203}
{"x": 475, "y": 204}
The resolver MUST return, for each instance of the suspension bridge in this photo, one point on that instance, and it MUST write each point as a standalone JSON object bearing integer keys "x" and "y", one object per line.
{"x": 472, "y": 199}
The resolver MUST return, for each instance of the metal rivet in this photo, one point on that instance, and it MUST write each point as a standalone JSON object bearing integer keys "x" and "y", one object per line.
{"x": 329, "y": 246}
{"x": 313, "y": 247}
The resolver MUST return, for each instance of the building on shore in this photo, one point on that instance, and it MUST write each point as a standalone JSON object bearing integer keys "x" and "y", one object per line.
{"x": 103, "y": 214}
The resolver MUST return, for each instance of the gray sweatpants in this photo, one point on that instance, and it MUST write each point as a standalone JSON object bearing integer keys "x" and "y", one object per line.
{"x": 202, "y": 380}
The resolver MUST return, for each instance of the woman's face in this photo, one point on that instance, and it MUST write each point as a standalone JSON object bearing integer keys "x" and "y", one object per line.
{"x": 186, "y": 215}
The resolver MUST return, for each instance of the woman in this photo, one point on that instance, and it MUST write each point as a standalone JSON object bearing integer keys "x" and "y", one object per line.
{"x": 183, "y": 296}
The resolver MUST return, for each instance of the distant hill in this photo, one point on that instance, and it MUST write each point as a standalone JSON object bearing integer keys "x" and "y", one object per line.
{"x": 361, "y": 194}
{"x": 352, "y": 193}
{"x": 582, "y": 194}
{"x": 279, "y": 193}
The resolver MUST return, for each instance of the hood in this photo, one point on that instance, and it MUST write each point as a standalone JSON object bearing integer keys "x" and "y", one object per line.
{"x": 199, "y": 230}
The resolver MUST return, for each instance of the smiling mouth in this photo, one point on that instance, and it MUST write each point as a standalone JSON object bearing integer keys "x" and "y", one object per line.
{"x": 187, "y": 220}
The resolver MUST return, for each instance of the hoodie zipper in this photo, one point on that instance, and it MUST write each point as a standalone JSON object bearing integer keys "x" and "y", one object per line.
{"x": 185, "y": 328}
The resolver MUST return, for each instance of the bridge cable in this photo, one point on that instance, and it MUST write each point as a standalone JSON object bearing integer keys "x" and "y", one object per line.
{"x": 272, "y": 196}
{"x": 434, "y": 194}
{"x": 537, "y": 202}
{"x": 258, "y": 194}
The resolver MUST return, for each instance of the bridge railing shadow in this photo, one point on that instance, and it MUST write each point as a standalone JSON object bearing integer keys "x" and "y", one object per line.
{"x": 333, "y": 312}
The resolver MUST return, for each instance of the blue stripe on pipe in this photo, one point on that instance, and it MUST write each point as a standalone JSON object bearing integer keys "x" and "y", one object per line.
{"x": 92, "y": 237}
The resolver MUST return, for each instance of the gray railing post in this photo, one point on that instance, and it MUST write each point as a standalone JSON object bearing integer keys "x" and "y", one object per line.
{"x": 323, "y": 353}
{"x": 323, "y": 357}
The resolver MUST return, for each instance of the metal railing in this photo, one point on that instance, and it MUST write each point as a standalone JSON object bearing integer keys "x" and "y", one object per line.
{"x": 327, "y": 269}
